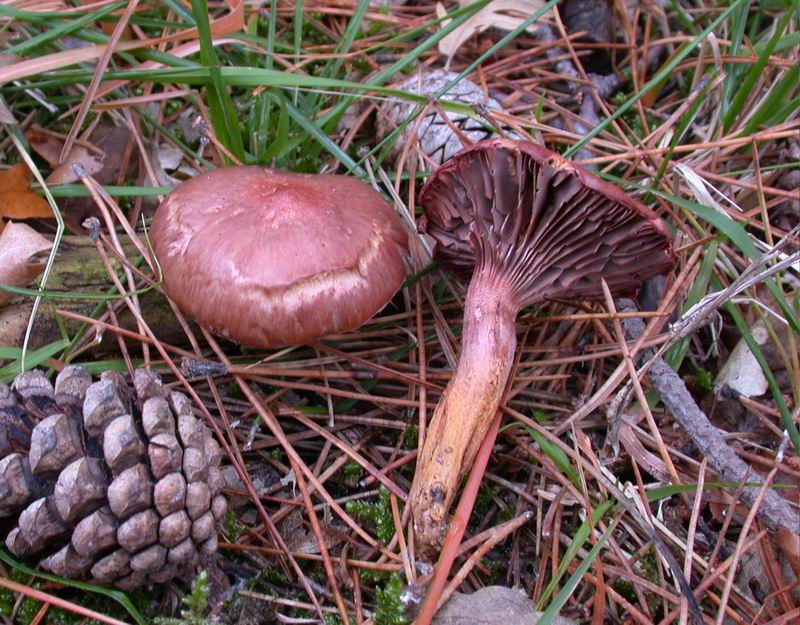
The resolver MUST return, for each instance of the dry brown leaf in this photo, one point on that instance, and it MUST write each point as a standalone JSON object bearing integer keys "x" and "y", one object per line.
{"x": 45, "y": 144}
{"x": 24, "y": 205}
{"x": 502, "y": 14}
{"x": 64, "y": 173}
{"x": 113, "y": 142}
{"x": 17, "y": 201}
{"x": 49, "y": 146}
{"x": 15, "y": 178}
{"x": 6, "y": 116}
{"x": 21, "y": 248}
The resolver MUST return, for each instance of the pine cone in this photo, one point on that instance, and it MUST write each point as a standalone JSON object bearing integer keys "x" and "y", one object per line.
{"x": 436, "y": 139}
{"x": 116, "y": 485}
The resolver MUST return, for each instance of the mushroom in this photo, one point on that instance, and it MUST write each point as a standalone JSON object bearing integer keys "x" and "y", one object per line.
{"x": 269, "y": 258}
{"x": 526, "y": 225}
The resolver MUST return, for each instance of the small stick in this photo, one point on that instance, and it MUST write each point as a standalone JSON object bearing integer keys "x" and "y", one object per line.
{"x": 774, "y": 510}
{"x": 497, "y": 535}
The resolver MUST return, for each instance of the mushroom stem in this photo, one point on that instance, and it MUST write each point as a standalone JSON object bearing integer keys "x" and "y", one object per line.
{"x": 467, "y": 406}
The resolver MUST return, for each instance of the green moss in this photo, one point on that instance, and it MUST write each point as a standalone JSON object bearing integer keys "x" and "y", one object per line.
{"x": 538, "y": 415}
{"x": 389, "y": 610}
{"x": 483, "y": 501}
{"x": 379, "y": 514}
{"x": 625, "y": 588}
{"x": 648, "y": 565}
{"x": 496, "y": 568}
{"x": 235, "y": 392}
{"x": 233, "y": 529}
{"x": 410, "y": 436}
{"x": 704, "y": 381}
{"x": 27, "y": 610}
{"x": 374, "y": 576}
{"x": 195, "y": 604}
{"x": 56, "y": 616}
{"x": 173, "y": 106}
{"x": 632, "y": 118}
{"x": 6, "y": 602}
{"x": 352, "y": 471}
{"x": 268, "y": 578}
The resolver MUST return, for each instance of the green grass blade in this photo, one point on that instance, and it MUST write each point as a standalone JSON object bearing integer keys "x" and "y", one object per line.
{"x": 88, "y": 297}
{"x": 660, "y": 76}
{"x": 670, "y": 490}
{"x": 279, "y": 142}
{"x": 223, "y": 114}
{"x": 181, "y": 11}
{"x": 687, "y": 119}
{"x": 559, "y": 458}
{"x": 78, "y": 190}
{"x": 312, "y": 129}
{"x": 736, "y": 233}
{"x": 457, "y": 17}
{"x": 32, "y": 359}
{"x": 549, "y": 615}
{"x": 730, "y": 229}
{"x": 387, "y": 143}
{"x": 343, "y": 47}
{"x": 36, "y": 17}
{"x": 297, "y": 39}
{"x": 733, "y": 71}
{"x": 258, "y": 77}
{"x": 772, "y": 112}
{"x": 744, "y": 329}
{"x": 675, "y": 355}
{"x": 686, "y": 20}
{"x": 747, "y": 85}
{"x": 116, "y": 595}
{"x": 54, "y": 32}
{"x": 578, "y": 540}
{"x": 272, "y": 27}
{"x": 789, "y": 41}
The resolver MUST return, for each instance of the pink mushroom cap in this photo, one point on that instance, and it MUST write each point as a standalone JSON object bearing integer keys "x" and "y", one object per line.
{"x": 268, "y": 258}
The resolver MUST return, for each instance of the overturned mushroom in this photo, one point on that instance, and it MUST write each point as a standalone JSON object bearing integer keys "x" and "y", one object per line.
{"x": 268, "y": 258}
{"x": 526, "y": 225}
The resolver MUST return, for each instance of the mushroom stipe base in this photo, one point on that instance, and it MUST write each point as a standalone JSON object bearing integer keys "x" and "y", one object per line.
{"x": 468, "y": 405}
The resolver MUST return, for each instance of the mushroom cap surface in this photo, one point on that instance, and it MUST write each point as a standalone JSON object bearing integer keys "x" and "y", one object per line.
{"x": 540, "y": 223}
{"x": 269, "y": 258}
